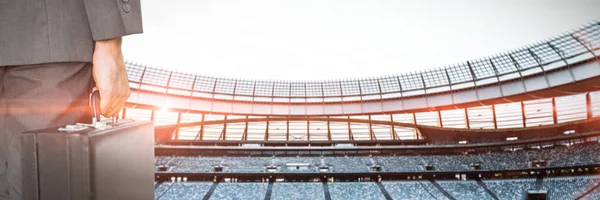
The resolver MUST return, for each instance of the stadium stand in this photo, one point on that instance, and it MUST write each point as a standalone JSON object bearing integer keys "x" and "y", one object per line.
{"x": 593, "y": 195}
{"x": 187, "y": 190}
{"x": 467, "y": 189}
{"x": 558, "y": 188}
{"x": 298, "y": 191}
{"x": 413, "y": 190}
{"x": 510, "y": 188}
{"x": 355, "y": 191}
{"x": 495, "y": 127}
{"x": 245, "y": 164}
{"x": 559, "y": 156}
{"x": 569, "y": 187}
{"x": 161, "y": 189}
{"x": 193, "y": 164}
{"x": 240, "y": 191}
{"x": 399, "y": 163}
{"x": 348, "y": 164}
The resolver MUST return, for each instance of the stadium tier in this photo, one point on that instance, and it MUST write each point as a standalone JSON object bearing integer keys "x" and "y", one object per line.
{"x": 524, "y": 124}
{"x": 509, "y": 159}
{"x": 572, "y": 187}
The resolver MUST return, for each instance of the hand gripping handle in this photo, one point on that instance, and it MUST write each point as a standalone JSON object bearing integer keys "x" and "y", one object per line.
{"x": 95, "y": 103}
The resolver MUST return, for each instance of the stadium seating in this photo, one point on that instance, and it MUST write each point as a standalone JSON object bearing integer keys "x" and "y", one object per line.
{"x": 161, "y": 189}
{"x": 194, "y": 164}
{"x": 465, "y": 190}
{"x": 187, "y": 190}
{"x": 245, "y": 164}
{"x": 399, "y": 163}
{"x": 559, "y": 188}
{"x": 348, "y": 164}
{"x": 240, "y": 191}
{"x": 510, "y": 188}
{"x": 413, "y": 190}
{"x": 594, "y": 195}
{"x": 298, "y": 191}
{"x": 577, "y": 155}
{"x": 355, "y": 190}
{"x": 313, "y": 161}
{"x": 569, "y": 187}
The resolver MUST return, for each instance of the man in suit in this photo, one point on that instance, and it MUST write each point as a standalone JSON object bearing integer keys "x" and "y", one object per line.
{"x": 52, "y": 53}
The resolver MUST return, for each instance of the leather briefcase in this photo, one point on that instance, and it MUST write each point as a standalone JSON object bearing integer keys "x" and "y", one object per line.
{"x": 114, "y": 161}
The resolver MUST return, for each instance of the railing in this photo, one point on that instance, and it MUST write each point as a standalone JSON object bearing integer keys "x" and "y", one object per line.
{"x": 559, "y": 52}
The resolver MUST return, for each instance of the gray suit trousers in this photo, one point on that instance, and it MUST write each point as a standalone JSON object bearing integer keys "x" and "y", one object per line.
{"x": 35, "y": 97}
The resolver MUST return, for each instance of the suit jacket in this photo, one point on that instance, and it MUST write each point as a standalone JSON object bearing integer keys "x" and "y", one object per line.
{"x": 50, "y": 31}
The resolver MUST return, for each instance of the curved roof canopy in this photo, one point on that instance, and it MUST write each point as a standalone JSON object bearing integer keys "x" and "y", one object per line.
{"x": 579, "y": 45}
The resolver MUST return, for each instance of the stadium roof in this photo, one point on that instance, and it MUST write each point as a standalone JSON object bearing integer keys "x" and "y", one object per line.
{"x": 520, "y": 88}
{"x": 580, "y": 45}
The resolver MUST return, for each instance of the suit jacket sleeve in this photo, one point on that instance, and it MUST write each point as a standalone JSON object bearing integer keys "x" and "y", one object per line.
{"x": 113, "y": 18}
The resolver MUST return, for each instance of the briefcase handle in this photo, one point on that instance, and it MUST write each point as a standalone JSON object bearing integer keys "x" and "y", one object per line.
{"x": 95, "y": 104}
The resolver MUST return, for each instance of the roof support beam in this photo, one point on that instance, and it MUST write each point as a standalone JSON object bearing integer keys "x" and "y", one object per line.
{"x": 245, "y": 134}
{"x": 307, "y": 129}
{"x": 472, "y": 72}
{"x": 414, "y": 116}
{"x": 200, "y": 135}
{"x": 588, "y": 103}
{"x": 287, "y": 130}
{"x": 371, "y": 133}
{"x": 224, "y": 132}
{"x": 193, "y": 86}
{"x": 393, "y": 133}
{"x": 417, "y": 134}
{"x": 538, "y": 60}
{"x": 554, "y": 115}
{"x": 168, "y": 82}
{"x": 350, "y": 136}
{"x": 152, "y": 115}
{"x": 494, "y": 116}
{"x": 523, "y": 114}
{"x": 214, "y": 89}
{"x": 497, "y": 73}
{"x": 449, "y": 85}
{"x": 253, "y": 93}
{"x": 585, "y": 46}
{"x": 467, "y": 119}
{"x": 266, "y": 137}
{"x": 439, "y": 115}
{"x": 425, "y": 89}
{"x": 177, "y": 126}
{"x": 328, "y": 129}
{"x": 561, "y": 54}
{"x": 234, "y": 89}
{"x": 518, "y": 67}
{"x": 142, "y": 78}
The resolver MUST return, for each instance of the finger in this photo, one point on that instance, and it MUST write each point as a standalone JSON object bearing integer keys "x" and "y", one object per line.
{"x": 116, "y": 106}
{"x": 111, "y": 109}
{"x": 115, "y": 109}
{"x": 105, "y": 104}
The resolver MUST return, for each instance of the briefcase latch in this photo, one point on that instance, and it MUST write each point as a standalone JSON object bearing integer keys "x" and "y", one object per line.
{"x": 73, "y": 128}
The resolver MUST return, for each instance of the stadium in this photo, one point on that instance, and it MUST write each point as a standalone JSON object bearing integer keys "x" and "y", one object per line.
{"x": 524, "y": 124}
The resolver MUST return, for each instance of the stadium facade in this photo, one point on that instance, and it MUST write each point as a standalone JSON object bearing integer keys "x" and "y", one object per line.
{"x": 521, "y": 124}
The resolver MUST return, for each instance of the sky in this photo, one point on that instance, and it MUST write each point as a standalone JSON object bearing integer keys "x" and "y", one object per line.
{"x": 340, "y": 39}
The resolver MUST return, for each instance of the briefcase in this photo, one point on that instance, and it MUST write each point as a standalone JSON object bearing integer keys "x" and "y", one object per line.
{"x": 115, "y": 162}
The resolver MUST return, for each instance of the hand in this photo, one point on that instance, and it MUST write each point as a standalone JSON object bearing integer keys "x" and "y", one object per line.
{"x": 110, "y": 76}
